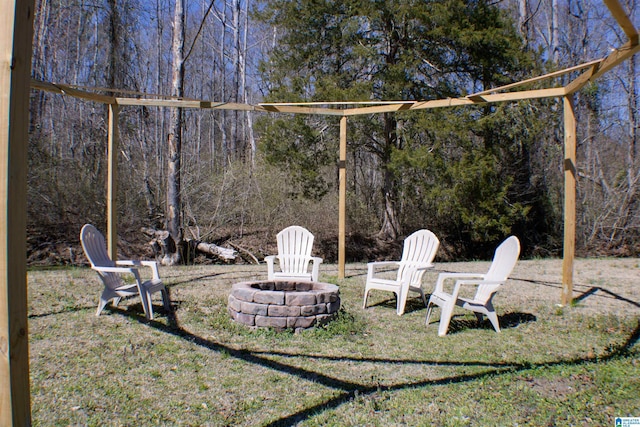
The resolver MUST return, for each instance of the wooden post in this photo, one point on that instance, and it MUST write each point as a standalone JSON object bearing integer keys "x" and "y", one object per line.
{"x": 16, "y": 31}
{"x": 342, "y": 205}
{"x": 569, "y": 200}
{"x": 112, "y": 183}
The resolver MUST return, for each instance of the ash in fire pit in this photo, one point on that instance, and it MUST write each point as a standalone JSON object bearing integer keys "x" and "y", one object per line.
{"x": 283, "y": 304}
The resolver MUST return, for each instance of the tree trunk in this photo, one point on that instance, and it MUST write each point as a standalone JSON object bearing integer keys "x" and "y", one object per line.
{"x": 115, "y": 78}
{"x": 634, "y": 124}
{"x": 237, "y": 151}
{"x": 225, "y": 155}
{"x": 173, "y": 212}
{"x": 390, "y": 224}
{"x": 243, "y": 78}
{"x": 555, "y": 32}
{"x": 524, "y": 22}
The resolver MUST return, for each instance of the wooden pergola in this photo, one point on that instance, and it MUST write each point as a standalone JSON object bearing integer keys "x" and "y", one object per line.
{"x": 16, "y": 20}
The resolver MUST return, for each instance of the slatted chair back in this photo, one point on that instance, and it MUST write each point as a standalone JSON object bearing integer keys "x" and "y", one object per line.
{"x": 95, "y": 248}
{"x": 294, "y": 249}
{"x": 504, "y": 261}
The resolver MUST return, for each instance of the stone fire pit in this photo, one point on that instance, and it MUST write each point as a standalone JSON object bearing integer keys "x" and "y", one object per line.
{"x": 283, "y": 304}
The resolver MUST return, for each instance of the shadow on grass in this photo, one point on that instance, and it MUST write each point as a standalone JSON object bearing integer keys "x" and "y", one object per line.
{"x": 507, "y": 320}
{"x": 190, "y": 280}
{"x": 608, "y": 294}
{"x": 126, "y": 305}
{"x": 64, "y": 310}
{"x": 348, "y": 390}
{"x": 413, "y": 303}
{"x": 590, "y": 291}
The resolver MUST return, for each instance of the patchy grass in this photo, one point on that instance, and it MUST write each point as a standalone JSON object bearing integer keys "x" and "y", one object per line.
{"x": 550, "y": 365}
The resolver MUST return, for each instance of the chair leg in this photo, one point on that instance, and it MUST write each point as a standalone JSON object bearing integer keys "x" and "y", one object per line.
{"x": 364, "y": 301}
{"x": 429, "y": 309}
{"x": 105, "y": 297}
{"x": 401, "y": 300}
{"x": 101, "y": 305}
{"x": 445, "y": 317}
{"x": 165, "y": 300}
{"x": 493, "y": 317}
{"x": 424, "y": 299}
{"x": 150, "y": 305}
{"x": 146, "y": 303}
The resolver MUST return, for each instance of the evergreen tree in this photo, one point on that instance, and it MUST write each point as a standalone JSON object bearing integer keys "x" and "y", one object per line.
{"x": 406, "y": 50}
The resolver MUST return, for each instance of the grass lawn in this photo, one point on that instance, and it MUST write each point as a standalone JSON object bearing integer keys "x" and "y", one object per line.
{"x": 550, "y": 365}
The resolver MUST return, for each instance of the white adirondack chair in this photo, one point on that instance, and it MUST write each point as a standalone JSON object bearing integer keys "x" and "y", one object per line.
{"x": 294, "y": 256}
{"x": 111, "y": 273}
{"x": 418, "y": 253}
{"x": 504, "y": 261}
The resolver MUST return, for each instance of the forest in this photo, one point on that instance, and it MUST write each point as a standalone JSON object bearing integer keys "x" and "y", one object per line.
{"x": 472, "y": 175}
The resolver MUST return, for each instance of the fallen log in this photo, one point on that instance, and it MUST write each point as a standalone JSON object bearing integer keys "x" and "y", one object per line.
{"x": 226, "y": 254}
{"x": 168, "y": 252}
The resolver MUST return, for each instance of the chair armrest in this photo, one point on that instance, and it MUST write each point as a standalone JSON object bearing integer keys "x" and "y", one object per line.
{"x": 373, "y": 266}
{"x": 137, "y": 263}
{"x": 270, "y": 260}
{"x": 128, "y": 262}
{"x": 461, "y": 275}
{"x": 444, "y": 276}
{"x": 315, "y": 265}
{"x": 120, "y": 270}
{"x": 154, "y": 269}
{"x": 480, "y": 282}
{"x": 151, "y": 264}
{"x": 114, "y": 269}
{"x": 460, "y": 283}
{"x": 383, "y": 263}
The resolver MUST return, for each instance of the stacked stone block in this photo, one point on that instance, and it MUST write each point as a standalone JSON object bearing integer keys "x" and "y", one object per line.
{"x": 283, "y": 304}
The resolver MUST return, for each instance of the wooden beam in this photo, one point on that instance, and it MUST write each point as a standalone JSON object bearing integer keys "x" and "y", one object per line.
{"x": 570, "y": 167}
{"x": 342, "y": 203}
{"x": 301, "y": 110}
{"x": 619, "y": 14}
{"x": 388, "y": 108}
{"x": 523, "y": 95}
{"x": 331, "y": 103}
{"x": 185, "y": 103}
{"x": 393, "y": 107}
{"x": 539, "y": 78}
{"x": 611, "y": 61}
{"x": 68, "y": 90}
{"x": 313, "y": 107}
{"x": 569, "y": 200}
{"x": 112, "y": 182}
{"x": 177, "y": 103}
{"x": 483, "y": 99}
{"x": 16, "y": 31}
{"x": 65, "y": 89}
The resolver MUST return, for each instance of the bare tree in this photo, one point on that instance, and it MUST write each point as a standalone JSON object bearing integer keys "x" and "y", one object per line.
{"x": 243, "y": 84}
{"x": 174, "y": 139}
{"x": 555, "y": 31}
{"x": 524, "y": 22}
